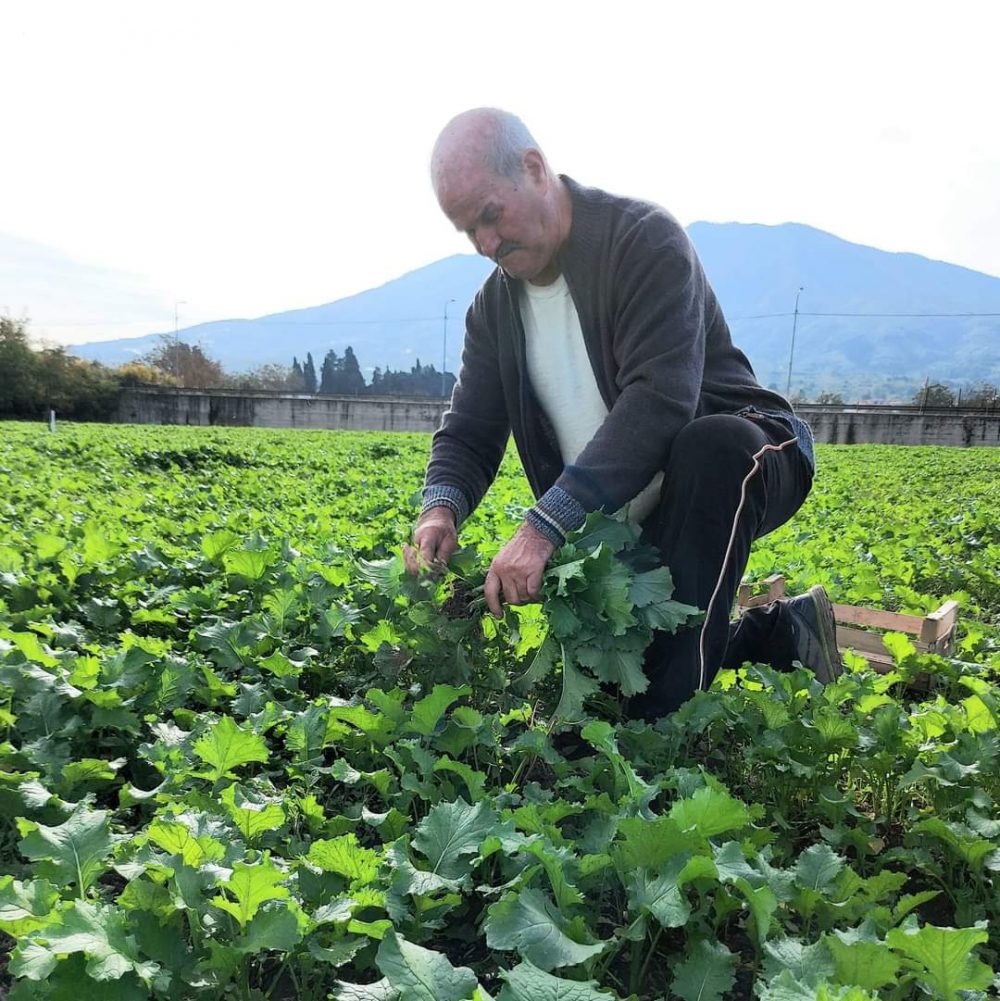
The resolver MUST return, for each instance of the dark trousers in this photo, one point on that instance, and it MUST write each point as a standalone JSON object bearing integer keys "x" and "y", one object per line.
{"x": 693, "y": 527}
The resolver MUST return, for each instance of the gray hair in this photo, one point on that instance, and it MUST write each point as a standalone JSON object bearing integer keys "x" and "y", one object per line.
{"x": 506, "y": 140}
{"x": 511, "y": 140}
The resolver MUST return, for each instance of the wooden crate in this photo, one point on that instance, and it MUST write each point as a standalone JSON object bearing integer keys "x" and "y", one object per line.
{"x": 933, "y": 633}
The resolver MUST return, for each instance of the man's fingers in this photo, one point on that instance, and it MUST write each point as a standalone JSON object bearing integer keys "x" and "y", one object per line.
{"x": 491, "y": 591}
{"x": 447, "y": 547}
{"x": 534, "y": 587}
{"x": 428, "y": 548}
{"x": 410, "y": 559}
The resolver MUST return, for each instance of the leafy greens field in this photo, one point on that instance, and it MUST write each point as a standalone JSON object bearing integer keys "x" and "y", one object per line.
{"x": 243, "y": 756}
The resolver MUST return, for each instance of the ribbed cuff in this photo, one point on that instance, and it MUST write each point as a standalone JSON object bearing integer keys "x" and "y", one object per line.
{"x": 556, "y": 514}
{"x": 449, "y": 497}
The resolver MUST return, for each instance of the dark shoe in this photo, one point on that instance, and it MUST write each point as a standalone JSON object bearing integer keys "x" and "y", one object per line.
{"x": 815, "y": 631}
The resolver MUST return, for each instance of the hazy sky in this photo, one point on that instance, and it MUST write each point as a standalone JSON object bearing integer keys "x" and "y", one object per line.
{"x": 247, "y": 158}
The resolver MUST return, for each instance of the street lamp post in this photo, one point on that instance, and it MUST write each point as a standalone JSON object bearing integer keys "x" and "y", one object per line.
{"x": 177, "y": 342}
{"x": 791, "y": 352}
{"x": 444, "y": 350}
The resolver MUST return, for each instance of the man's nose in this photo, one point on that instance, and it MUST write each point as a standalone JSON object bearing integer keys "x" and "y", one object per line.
{"x": 487, "y": 242}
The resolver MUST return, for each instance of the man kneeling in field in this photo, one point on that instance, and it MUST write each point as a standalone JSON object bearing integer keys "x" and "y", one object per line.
{"x": 599, "y": 343}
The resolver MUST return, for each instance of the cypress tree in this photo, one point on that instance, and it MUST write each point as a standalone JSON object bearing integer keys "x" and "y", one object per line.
{"x": 309, "y": 373}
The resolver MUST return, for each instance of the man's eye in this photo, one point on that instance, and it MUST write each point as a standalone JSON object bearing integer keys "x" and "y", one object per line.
{"x": 490, "y": 216}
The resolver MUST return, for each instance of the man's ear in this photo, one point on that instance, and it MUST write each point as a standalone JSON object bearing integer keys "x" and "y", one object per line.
{"x": 534, "y": 166}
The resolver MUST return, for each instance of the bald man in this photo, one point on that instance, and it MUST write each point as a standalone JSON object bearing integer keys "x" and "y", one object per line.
{"x": 599, "y": 343}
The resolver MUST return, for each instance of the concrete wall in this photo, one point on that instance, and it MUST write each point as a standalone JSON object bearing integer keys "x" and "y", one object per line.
{"x": 902, "y": 426}
{"x": 839, "y": 425}
{"x": 271, "y": 410}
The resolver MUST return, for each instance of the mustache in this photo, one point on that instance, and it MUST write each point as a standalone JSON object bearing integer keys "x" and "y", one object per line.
{"x": 504, "y": 249}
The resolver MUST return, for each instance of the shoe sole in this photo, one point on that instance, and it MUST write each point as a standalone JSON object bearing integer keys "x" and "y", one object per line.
{"x": 827, "y": 634}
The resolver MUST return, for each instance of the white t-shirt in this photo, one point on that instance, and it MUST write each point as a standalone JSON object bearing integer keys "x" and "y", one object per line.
{"x": 563, "y": 378}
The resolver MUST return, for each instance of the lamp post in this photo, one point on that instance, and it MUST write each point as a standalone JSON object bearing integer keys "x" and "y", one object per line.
{"x": 177, "y": 359}
{"x": 791, "y": 352}
{"x": 444, "y": 349}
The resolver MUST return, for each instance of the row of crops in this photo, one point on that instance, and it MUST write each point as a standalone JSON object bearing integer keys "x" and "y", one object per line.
{"x": 245, "y": 756}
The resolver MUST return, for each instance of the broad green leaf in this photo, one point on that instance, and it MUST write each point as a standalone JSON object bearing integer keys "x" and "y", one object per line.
{"x": 48, "y": 546}
{"x": 383, "y": 632}
{"x": 541, "y": 666}
{"x": 660, "y": 895}
{"x": 74, "y": 852}
{"x": 144, "y": 895}
{"x": 177, "y": 838}
{"x": 531, "y": 924}
{"x": 428, "y": 711}
{"x": 942, "y": 958}
{"x": 100, "y": 933}
{"x": 558, "y": 864}
{"x": 709, "y": 812}
{"x": 372, "y": 929}
{"x": 93, "y": 771}
{"x": 346, "y": 857}
{"x": 651, "y": 586}
{"x": 251, "y": 885}
{"x": 599, "y": 529}
{"x": 786, "y": 986}
{"x": 731, "y": 864}
{"x": 380, "y": 990}
{"x": 31, "y": 646}
{"x": 866, "y": 964}
{"x": 809, "y": 963}
{"x": 421, "y": 974}
{"x": 968, "y": 846}
{"x": 762, "y": 903}
{"x": 226, "y": 747}
{"x": 25, "y": 906}
{"x": 338, "y": 953}
{"x": 475, "y": 782}
{"x": 252, "y": 564}
{"x": 253, "y": 815}
{"x": 32, "y": 961}
{"x": 273, "y": 929}
{"x": 215, "y": 544}
{"x": 670, "y": 615}
{"x": 818, "y": 867}
{"x": 451, "y": 831}
{"x": 617, "y": 660}
{"x": 527, "y": 982}
{"x": 650, "y": 843}
{"x": 705, "y": 974}
{"x": 97, "y": 547}
{"x": 576, "y": 687}
{"x": 281, "y": 666}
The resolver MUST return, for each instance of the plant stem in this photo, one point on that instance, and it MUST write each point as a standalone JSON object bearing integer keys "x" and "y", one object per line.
{"x": 649, "y": 956}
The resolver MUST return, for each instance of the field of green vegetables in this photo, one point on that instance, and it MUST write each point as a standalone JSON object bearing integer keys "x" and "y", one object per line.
{"x": 243, "y": 756}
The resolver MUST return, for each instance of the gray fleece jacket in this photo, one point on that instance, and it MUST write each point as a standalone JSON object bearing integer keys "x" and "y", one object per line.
{"x": 661, "y": 353}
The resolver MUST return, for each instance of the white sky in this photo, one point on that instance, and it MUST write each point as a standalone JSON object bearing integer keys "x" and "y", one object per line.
{"x": 252, "y": 157}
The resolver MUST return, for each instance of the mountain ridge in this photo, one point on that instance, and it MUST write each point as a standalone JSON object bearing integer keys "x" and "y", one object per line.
{"x": 756, "y": 271}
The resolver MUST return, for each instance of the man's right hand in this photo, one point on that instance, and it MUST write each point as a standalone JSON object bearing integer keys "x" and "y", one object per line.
{"x": 435, "y": 538}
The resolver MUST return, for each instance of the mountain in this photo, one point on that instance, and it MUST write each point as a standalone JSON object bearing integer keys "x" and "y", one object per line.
{"x": 392, "y": 325}
{"x": 756, "y": 271}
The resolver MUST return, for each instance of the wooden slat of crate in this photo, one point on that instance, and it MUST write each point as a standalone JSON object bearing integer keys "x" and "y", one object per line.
{"x": 937, "y": 632}
{"x": 854, "y": 616}
{"x": 933, "y": 633}
{"x": 775, "y": 589}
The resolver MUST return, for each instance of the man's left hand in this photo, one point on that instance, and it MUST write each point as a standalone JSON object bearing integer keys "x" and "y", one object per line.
{"x": 517, "y": 570}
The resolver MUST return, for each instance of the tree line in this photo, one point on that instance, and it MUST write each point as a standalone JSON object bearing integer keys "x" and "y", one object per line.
{"x": 33, "y": 380}
{"x": 341, "y": 376}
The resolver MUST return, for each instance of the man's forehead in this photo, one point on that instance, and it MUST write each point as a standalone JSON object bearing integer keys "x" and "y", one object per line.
{"x": 464, "y": 193}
